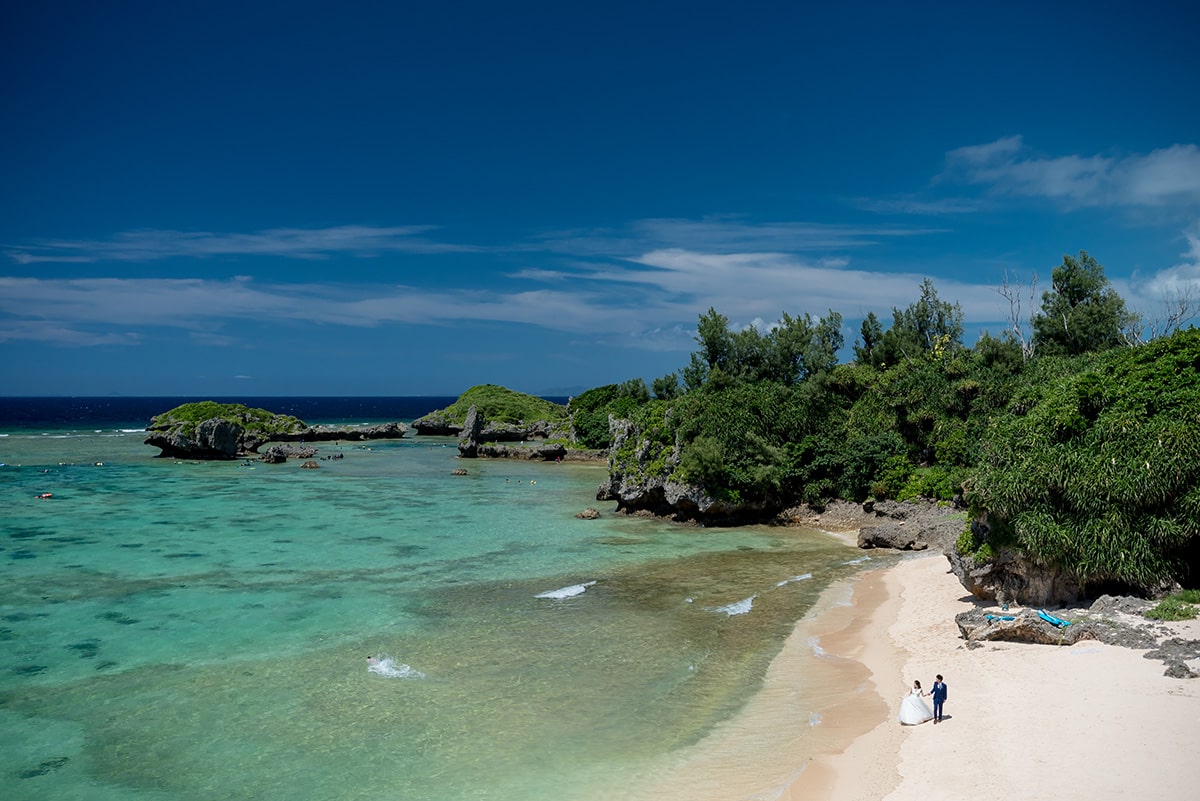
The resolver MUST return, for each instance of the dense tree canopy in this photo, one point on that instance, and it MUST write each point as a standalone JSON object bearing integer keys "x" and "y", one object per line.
{"x": 929, "y": 325}
{"x": 1081, "y": 313}
{"x": 1099, "y": 469}
{"x": 1084, "y": 455}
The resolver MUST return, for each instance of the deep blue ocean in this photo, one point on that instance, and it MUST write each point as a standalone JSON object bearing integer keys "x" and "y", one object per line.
{"x": 375, "y": 628}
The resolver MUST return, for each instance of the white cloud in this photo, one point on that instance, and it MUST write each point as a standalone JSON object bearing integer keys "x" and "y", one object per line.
{"x": 298, "y": 243}
{"x": 722, "y": 235}
{"x": 1182, "y": 279}
{"x": 1008, "y": 167}
{"x": 646, "y": 288}
{"x": 917, "y": 206}
{"x": 647, "y": 300}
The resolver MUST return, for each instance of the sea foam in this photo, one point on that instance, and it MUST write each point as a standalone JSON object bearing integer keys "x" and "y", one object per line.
{"x": 386, "y": 666}
{"x": 801, "y": 577}
{"x": 566, "y": 592}
{"x": 741, "y": 607}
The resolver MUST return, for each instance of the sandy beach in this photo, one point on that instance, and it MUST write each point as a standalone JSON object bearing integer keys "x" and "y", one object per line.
{"x": 1022, "y": 721}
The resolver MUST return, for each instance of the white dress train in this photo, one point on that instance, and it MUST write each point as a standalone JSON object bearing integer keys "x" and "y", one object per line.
{"x": 914, "y": 710}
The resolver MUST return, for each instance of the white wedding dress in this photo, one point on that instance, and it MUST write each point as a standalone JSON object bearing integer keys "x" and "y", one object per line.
{"x": 914, "y": 710}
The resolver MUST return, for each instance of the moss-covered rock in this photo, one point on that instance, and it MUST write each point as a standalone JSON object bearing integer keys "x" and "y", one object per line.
{"x": 511, "y": 416}
{"x": 213, "y": 431}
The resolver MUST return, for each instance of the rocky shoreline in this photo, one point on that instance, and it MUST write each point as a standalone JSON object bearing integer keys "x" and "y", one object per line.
{"x": 1110, "y": 619}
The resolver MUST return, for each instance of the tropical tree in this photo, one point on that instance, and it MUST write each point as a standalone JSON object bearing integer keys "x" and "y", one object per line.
{"x": 871, "y": 333}
{"x": 927, "y": 326}
{"x": 666, "y": 387}
{"x": 1081, "y": 313}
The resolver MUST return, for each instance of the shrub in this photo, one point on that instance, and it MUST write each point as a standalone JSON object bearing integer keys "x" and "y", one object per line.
{"x": 502, "y": 405}
{"x": 1101, "y": 475}
{"x": 1173, "y": 607}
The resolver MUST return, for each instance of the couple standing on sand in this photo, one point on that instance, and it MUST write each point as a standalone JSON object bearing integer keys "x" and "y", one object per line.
{"x": 914, "y": 711}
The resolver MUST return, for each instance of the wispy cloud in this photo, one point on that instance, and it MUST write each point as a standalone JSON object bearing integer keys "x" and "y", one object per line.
{"x": 299, "y": 243}
{"x": 641, "y": 286}
{"x": 918, "y": 207}
{"x": 1009, "y": 167}
{"x": 644, "y": 302}
{"x": 722, "y": 235}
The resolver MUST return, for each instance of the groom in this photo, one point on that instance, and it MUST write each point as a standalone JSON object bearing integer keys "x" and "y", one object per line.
{"x": 939, "y": 698}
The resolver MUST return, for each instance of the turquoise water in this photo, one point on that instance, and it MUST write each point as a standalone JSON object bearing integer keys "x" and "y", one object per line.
{"x": 201, "y": 630}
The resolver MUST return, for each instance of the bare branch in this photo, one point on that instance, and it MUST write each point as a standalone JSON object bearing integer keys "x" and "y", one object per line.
{"x": 1018, "y": 323}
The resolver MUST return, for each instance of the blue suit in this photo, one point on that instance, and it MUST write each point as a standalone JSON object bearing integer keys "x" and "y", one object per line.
{"x": 939, "y": 698}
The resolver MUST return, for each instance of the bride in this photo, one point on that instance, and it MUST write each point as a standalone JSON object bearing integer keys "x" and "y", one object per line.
{"x": 912, "y": 709}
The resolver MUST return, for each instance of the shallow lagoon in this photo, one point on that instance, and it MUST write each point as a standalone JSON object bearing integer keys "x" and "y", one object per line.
{"x": 200, "y": 630}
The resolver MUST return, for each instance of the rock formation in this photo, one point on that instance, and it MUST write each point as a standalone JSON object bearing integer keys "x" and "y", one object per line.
{"x": 468, "y": 443}
{"x": 1012, "y": 577}
{"x": 542, "y": 452}
{"x": 437, "y": 423}
{"x": 1111, "y": 620}
{"x": 1025, "y": 626}
{"x": 232, "y": 431}
{"x": 278, "y": 454}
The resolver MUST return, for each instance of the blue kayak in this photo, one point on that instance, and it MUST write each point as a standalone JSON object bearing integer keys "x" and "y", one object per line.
{"x": 1052, "y": 620}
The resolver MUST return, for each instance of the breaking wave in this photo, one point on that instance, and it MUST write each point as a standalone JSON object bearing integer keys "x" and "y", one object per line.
{"x": 386, "y": 666}
{"x": 741, "y": 607}
{"x": 566, "y": 592}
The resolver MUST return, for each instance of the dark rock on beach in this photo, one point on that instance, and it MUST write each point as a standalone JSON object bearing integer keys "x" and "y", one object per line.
{"x": 1012, "y": 577}
{"x": 1025, "y": 626}
{"x": 891, "y": 535}
{"x": 1116, "y": 621}
{"x": 1173, "y": 652}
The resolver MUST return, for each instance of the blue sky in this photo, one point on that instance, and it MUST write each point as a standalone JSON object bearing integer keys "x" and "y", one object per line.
{"x": 219, "y": 199}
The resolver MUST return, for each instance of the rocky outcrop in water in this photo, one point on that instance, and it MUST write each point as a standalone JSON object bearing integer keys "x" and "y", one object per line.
{"x": 232, "y": 431}
{"x": 490, "y": 431}
{"x": 437, "y": 423}
{"x": 640, "y": 487}
{"x": 548, "y": 452}
{"x": 468, "y": 443}
{"x": 479, "y": 438}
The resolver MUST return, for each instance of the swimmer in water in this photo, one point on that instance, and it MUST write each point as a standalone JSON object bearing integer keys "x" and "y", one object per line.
{"x": 372, "y": 660}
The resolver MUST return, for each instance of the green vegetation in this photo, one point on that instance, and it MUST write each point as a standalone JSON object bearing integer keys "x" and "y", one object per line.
{"x": 1082, "y": 312}
{"x": 1099, "y": 469}
{"x": 252, "y": 420}
{"x": 590, "y": 410}
{"x": 1083, "y": 450}
{"x": 500, "y": 405}
{"x": 1177, "y": 606}
{"x": 1080, "y": 447}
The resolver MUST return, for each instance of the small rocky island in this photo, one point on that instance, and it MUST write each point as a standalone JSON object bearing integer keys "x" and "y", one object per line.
{"x": 208, "y": 430}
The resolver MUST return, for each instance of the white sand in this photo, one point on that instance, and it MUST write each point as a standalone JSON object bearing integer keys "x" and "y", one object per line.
{"x": 1022, "y": 721}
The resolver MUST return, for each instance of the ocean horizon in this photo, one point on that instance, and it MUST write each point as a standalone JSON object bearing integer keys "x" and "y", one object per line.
{"x": 192, "y": 630}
